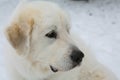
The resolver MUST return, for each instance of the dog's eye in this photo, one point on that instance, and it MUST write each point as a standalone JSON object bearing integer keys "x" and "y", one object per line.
{"x": 51, "y": 34}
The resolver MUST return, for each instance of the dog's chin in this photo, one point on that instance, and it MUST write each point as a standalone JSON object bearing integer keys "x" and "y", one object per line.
{"x": 54, "y": 69}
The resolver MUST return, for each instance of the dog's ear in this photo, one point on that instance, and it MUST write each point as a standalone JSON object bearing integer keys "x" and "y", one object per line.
{"x": 19, "y": 35}
{"x": 15, "y": 35}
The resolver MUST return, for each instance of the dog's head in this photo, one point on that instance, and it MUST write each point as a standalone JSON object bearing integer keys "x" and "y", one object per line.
{"x": 40, "y": 31}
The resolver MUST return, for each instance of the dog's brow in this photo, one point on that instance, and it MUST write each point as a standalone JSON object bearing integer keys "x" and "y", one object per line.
{"x": 47, "y": 30}
{"x": 53, "y": 28}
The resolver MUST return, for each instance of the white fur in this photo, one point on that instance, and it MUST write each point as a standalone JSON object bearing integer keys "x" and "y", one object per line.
{"x": 31, "y": 59}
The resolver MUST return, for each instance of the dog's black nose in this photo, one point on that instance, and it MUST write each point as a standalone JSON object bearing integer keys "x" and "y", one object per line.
{"x": 76, "y": 56}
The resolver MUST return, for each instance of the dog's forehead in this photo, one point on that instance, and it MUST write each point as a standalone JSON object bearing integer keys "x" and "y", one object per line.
{"x": 39, "y": 10}
{"x": 44, "y": 16}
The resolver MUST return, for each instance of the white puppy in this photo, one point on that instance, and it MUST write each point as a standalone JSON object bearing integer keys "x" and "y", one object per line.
{"x": 42, "y": 49}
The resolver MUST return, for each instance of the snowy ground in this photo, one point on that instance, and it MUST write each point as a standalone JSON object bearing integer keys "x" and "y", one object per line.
{"x": 96, "y": 22}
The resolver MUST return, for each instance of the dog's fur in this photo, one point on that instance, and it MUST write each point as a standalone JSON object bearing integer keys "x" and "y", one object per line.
{"x": 31, "y": 52}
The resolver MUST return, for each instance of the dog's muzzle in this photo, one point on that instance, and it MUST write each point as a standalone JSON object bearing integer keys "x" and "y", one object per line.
{"x": 75, "y": 59}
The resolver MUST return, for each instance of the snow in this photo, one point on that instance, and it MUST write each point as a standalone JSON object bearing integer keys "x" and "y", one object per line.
{"x": 96, "y": 22}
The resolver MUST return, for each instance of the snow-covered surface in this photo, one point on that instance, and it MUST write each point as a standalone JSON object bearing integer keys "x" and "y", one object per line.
{"x": 96, "y": 22}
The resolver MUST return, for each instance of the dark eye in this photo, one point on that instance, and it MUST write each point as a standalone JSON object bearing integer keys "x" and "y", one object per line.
{"x": 51, "y": 34}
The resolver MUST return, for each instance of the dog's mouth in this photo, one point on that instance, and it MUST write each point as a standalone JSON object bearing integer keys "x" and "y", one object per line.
{"x": 53, "y": 69}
